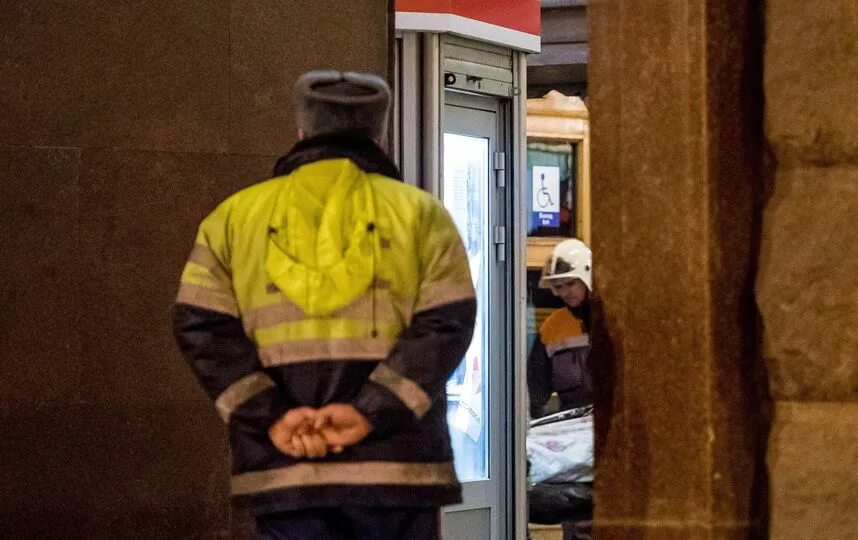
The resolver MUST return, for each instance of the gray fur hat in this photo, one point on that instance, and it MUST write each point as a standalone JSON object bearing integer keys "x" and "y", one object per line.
{"x": 337, "y": 101}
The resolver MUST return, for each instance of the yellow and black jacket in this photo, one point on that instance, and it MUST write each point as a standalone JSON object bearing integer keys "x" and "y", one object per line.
{"x": 331, "y": 282}
{"x": 558, "y": 363}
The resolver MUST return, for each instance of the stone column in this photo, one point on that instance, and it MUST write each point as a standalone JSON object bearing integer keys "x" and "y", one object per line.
{"x": 808, "y": 283}
{"x": 676, "y": 119}
{"x": 122, "y": 124}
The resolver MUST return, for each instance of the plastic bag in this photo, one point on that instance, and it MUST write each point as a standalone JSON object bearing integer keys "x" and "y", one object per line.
{"x": 561, "y": 450}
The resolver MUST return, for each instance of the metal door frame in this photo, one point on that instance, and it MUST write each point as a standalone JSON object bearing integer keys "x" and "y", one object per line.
{"x": 420, "y": 121}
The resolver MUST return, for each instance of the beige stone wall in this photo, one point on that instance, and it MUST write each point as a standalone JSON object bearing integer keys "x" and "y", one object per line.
{"x": 807, "y": 287}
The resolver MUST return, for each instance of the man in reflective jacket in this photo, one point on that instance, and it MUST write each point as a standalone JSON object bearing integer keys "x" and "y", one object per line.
{"x": 323, "y": 311}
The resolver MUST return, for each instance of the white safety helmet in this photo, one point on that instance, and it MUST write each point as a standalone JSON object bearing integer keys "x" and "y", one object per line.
{"x": 570, "y": 259}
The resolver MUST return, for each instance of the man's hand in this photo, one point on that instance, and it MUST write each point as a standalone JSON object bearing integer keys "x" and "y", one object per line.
{"x": 295, "y": 435}
{"x": 341, "y": 425}
{"x": 312, "y": 433}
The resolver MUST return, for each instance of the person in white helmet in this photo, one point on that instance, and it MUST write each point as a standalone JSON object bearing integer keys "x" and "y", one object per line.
{"x": 558, "y": 359}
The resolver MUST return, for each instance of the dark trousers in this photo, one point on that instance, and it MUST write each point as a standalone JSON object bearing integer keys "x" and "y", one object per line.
{"x": 351, "y": 523}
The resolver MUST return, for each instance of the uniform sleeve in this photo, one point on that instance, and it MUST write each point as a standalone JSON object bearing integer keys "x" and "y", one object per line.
{"x": 538, "y": 378}
{"x": 403, "y": 388}
{"x": 210, "y": 335}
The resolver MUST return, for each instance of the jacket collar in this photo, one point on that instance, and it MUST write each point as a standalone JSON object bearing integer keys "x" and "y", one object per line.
{"x": 358, "y": 148}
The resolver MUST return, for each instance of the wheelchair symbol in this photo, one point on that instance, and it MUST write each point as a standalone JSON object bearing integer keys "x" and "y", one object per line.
{"x": 543, "y": 196}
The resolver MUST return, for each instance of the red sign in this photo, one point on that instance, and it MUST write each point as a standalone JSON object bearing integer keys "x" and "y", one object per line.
{"x": 510, "y": 22}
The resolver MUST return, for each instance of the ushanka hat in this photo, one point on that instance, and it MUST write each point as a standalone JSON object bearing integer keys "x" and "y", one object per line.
{"x": 342, "y": 101}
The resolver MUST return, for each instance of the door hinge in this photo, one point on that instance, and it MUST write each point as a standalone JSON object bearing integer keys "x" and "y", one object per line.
{"x": 500, "y": 169}
{"x": 500, "y": 241}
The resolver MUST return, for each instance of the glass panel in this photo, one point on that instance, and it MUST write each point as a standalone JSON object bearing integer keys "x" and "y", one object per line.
{"x": 465, "y": 194}
{"x": 552, "y": 183}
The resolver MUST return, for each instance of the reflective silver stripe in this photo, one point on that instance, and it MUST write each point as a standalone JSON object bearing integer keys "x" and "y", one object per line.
{"x": 205, "y": 257}
{"x": 362, "y": 308}
{"x": 568, "y": 343}
{"x": 292, "y": 352}
{"x": 285, "y": 311}
{"x": 365, "y": 473}
{"x": 435, "y": 295}
{"x": 270, "y": 315}
{"x": 204, "y": 297}
{"x": 408, "y": 391}
{"x": 240, "y": 391}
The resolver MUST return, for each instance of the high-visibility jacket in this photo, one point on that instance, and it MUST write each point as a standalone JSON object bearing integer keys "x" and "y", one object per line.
{"x": 331, "y": 283}
{"x": 558, "y": 363}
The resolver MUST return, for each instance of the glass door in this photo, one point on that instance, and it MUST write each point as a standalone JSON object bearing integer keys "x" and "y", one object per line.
{"x": 471, "y": 141}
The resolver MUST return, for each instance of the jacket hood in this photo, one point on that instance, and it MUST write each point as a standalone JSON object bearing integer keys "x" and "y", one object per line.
{"x": 326, "y": 263}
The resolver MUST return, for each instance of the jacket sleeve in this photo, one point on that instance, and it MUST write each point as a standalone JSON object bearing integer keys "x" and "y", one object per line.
{"x": 403, "y": 388}
{"x": 210, "y": 335}
{"x": 538, "y": 378}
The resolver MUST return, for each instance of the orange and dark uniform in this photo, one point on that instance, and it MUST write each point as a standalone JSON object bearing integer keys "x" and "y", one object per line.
{"x": 558, "y": 362}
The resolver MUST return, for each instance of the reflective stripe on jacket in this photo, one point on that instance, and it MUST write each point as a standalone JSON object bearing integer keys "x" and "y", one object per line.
{"x": 331, "y": 284}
